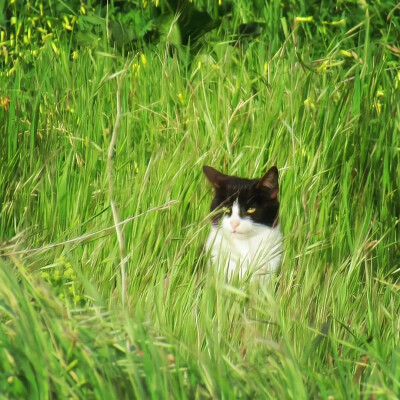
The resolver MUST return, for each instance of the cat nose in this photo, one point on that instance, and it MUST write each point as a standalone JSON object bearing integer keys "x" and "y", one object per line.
{"x": 234, "y": 223}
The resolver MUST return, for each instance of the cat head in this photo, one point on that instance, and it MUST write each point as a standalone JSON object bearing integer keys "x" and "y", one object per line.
{"x": 245, "y": 205}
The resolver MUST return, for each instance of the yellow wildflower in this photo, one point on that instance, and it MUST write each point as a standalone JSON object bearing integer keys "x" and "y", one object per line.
{"x": 66, "y": 23}
{"x": 143, "y": 59}
{"x": 346, "y": 53}
{"x": 304, "y": 19}
{"x": 181, "y": 98}
{"x": 46, "y": 37}
{"x": 309, "y": 104}
{"x": 340, "y": 22}
{"x": 378, "y": 107}
{"x": 135, "y": 69}
{"x": 55, "y": 48}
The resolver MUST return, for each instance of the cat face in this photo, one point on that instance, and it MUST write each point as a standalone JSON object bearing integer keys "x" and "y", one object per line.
{"x": 245, "y": 205}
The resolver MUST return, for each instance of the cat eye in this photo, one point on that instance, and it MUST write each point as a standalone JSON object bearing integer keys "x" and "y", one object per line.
{"x": 251, "y": 210}
{"x": 226, "y": 209}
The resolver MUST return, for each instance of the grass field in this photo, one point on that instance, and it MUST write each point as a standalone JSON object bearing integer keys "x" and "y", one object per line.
{"x": 327, "y": 327}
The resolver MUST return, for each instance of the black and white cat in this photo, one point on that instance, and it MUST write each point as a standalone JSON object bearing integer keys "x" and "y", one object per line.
{"x": 245, "y": 234}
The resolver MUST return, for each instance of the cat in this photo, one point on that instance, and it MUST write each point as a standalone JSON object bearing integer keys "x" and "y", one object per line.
{"x": 245, "y": 235}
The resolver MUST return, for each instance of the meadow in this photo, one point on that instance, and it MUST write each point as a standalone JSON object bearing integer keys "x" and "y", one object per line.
{"x": 89, "y": 311}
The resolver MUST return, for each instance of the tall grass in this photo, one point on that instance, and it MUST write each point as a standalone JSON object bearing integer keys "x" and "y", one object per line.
{"x": 327, "y": 325}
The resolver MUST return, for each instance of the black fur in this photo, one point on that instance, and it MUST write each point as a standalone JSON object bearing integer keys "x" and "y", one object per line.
{"x": 261, "y": 194}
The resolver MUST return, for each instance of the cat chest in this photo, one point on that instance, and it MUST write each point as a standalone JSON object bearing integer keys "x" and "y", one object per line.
{"x": 237, "y": 248}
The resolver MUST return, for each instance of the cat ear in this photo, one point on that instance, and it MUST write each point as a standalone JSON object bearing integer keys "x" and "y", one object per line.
{"x": 270, "y": 182}
{"x": 215, "y": 177}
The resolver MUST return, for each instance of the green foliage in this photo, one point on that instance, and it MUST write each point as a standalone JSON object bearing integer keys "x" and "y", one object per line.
{"x": 27, "y": 27}
{"x": 318, "y": 100}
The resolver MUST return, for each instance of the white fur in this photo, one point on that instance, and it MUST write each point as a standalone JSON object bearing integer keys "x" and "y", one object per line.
{"x": 245, "y": 247}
